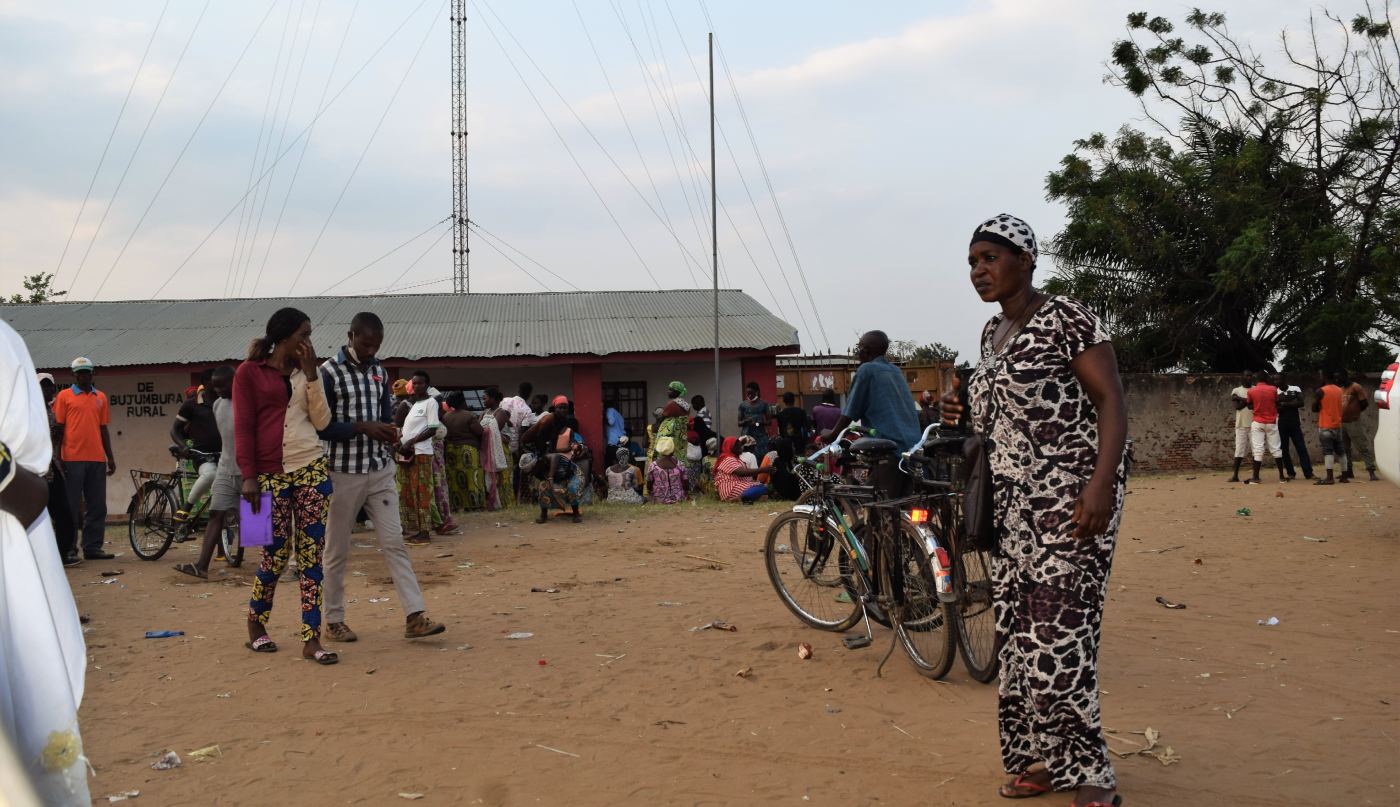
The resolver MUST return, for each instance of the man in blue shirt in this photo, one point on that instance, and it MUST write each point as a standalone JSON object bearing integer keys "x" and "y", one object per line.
{"x": 879, "y": 396}
{"x": 613, "y": 421}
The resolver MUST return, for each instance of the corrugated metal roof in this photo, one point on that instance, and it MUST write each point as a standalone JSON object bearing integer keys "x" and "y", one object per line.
{"x": 417, "y": 326}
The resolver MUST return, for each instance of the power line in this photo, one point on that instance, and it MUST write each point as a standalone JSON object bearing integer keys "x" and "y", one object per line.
{"x": 110, "y": 136}
{"x": 335, "y": 62}
{"x": 630, "y": 134}
{"x": 112, "y": 202}
{"x": 282, "y": 133}
{"x": 220, "y": 223}
{"x": 432, "y": 227}
{"x": 421, "y": 255}
{"x": 515, "y": 263}
{"x": 482, "y": 231}
{"x": 570, "y": 151}
{"x": 240, "y": 236}
{"x": 420, "y": 284}
{"x": 763, "y": 167}
{"x": 178, "y": 157}
{"x": 685, "y": 253}
{"x": 364, "y": 151}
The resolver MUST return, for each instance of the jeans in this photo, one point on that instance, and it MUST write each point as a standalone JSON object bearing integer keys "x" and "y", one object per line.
{"x": 87, "y": 494}
{"x": 1292, "y": 433}
{"x": 61, "y": 514}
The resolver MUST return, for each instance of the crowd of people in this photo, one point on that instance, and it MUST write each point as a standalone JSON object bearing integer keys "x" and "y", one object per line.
{"x": 324, "y": 445}
{"x": 1268, "y": 420}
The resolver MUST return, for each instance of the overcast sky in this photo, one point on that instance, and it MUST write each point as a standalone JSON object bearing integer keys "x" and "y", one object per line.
{"x": 887, "y": 130}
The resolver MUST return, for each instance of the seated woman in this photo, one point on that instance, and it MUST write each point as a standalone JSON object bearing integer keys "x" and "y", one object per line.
{"x": 623, "y": 485}
{"x": 733, "y": 479}
{"x": 668, "y": 479}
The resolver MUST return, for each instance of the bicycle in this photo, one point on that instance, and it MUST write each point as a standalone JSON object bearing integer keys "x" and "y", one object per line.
{"x": 937, "y": 463}
{"x": 151, "y": 524}
{"x": 895, "y": 575}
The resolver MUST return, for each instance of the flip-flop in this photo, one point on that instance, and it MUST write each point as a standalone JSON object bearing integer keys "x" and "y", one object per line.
{"x": 191, "y": 570}
{"x": 323, "y": 657}
{"x": 262, "y": 644}
{"x": 1029, "y": 789}
{"x": 1117, "y": 802}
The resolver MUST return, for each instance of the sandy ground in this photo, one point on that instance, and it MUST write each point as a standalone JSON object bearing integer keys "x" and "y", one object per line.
{"x": 615, "y": 701}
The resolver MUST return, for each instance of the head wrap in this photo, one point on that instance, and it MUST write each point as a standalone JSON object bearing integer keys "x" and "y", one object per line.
{"x": 710, "y": 445}
{"x": 676, "y": 387}
{"x": 559, "y": 400}
{"x": 1008, "y": 231}
{"x": 729, "y": 443}
{"x": 665, "y": 446}
{"x": 400, "y": 388}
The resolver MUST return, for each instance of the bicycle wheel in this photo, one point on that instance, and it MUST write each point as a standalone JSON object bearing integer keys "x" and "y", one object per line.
{"x": 974, "y": 612}
{"x": 925, "y": 628}
{"x": 150, "y": 524}
{"x": 233, "y": 549}
{"x": 804, "y": 565}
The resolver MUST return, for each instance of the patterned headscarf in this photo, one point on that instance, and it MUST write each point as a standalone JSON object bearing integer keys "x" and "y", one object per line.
{"x": 400, "y": 388}
{"x": 1008, "y": 231}
{"x": 665, "y": 446}
{"x": 676, "y": 387}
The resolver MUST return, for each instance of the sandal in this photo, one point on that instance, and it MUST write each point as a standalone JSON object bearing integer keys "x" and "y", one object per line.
{"x": 1023, "y": 788}
{"x": 1117, "y": 801}
{"x": 262, "y": 644}
{"x": 191, "y": 570}
{"x": 323, "y": 657}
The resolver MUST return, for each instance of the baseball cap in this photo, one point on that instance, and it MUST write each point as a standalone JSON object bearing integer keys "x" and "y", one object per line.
{"x": 42, "y": 377}
{"x": 83, "y": 363}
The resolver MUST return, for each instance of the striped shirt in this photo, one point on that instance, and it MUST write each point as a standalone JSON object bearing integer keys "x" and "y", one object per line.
{"x": 354, "y": 393}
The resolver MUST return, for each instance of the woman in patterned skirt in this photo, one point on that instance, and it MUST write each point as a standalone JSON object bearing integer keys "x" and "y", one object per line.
{"x": 1047, "y": 396}
{"x": 278, "y": 405}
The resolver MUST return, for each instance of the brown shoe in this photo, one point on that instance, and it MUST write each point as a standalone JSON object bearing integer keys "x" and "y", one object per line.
{"x": 419, "y": 625}
{"x": 340, "y": 632}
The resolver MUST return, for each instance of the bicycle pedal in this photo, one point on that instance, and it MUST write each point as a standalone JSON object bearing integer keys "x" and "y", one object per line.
{"x": 856, "y": 642}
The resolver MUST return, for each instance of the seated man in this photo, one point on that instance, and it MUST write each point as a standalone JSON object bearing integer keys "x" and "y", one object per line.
{"x": 879, "y": 396}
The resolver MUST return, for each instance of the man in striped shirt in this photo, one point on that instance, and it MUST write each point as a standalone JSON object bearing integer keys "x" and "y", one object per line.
{"x": 362, "y": 474}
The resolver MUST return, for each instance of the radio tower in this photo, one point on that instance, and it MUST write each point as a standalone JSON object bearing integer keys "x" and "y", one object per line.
{"x": 461, "y": 253}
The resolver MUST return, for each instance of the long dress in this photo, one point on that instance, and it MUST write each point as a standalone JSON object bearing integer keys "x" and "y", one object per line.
{"x": 495, "y": 463}
{"x": 1048, "y": 586}
{"x": 43, "y": 658}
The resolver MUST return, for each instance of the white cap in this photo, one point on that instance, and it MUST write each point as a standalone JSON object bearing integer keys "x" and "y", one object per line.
{"x": 82, "y": 363}
{"x": 42, "y": 377}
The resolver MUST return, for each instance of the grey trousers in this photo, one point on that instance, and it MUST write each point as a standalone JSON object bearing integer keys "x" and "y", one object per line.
{"x": 87, "y": 494}
{"x": 377, "y": 494}
{"x": 1358, "y": 444}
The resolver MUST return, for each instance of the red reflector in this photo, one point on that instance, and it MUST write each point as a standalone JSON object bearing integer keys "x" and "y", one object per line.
{"x": 918, "y": 516}
{"x": 942, "y": 555}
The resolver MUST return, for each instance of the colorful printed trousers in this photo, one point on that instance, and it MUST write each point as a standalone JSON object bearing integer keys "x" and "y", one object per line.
{"x": 442, "y": 509}
{"x": 416, "y": 494}
{"x": 300, "y": 503}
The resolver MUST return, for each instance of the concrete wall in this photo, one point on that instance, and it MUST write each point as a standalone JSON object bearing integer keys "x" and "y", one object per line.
{"x": 1186, "y": 422}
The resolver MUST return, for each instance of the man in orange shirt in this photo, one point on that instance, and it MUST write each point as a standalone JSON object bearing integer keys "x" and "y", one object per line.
{"x": 1328, "y": 407}
{"x": 81, "y": 413}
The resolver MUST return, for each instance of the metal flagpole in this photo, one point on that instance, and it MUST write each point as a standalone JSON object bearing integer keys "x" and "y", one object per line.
{"x": 717, "y": 413}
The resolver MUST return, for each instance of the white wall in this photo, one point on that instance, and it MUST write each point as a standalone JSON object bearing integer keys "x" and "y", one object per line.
{"x": 550, "y": 381}
{"x": 699, "y": 379}
{"x": 143, "y": 407}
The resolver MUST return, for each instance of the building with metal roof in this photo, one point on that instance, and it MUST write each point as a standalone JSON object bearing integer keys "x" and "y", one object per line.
{"x": 420, "y": 326}
{"x": 623, "y": 346}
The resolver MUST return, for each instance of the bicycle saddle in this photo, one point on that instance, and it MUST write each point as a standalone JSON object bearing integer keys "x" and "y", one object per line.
{"x": 874, "y": 445}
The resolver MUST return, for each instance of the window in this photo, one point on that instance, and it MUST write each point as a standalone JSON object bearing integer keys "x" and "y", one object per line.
{"x": 631, "y": 400}
{"x": 476, "y": 400}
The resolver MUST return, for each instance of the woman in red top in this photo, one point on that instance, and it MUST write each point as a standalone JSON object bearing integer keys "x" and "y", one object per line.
{"x": 732, "y": 476}
{"x": 278, "y": 405}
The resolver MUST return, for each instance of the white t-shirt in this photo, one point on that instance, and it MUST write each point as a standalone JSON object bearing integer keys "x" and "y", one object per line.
{"x": 43, "y": 658}
{"x": 1245, "y": 416}
{"x": 422, "y": 415}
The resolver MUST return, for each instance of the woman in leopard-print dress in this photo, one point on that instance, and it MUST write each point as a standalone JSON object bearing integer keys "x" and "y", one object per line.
{"x": 1047, "y": 396}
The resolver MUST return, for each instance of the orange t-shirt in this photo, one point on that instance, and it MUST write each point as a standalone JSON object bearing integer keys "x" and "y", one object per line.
{"x": 1329, "y": 416}
{"x": 82, "y": 416}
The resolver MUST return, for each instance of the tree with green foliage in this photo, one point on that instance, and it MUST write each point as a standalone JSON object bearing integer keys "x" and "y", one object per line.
{"x": 38, "y": 289}
{"x": 1266, "y": 221}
